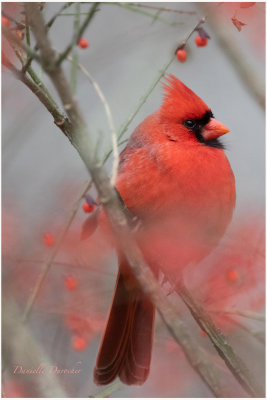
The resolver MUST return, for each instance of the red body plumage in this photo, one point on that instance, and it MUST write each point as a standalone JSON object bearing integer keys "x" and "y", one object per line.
{"x": 175, "y": 177}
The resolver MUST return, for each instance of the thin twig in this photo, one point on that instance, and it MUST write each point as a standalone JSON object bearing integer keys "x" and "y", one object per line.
{"x": 183, "y": 43}
{"x": 17, "y": 52}
{"x": 42, "y": 86}
{"x": 28, "y": 35}
{"x": 52, "y": 20}
{"x": 73, "y": 265}
{"x": 142, "y": 101}
{"x": 77, "y": 34}
{"x": 134, "y": 9}
{"x": 75, "y": 57}
{"x": 163, "y": 9}
{"x": 109, "y": 119}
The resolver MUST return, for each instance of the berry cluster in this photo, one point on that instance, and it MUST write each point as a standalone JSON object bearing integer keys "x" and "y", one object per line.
{"x": 201, "y": 40}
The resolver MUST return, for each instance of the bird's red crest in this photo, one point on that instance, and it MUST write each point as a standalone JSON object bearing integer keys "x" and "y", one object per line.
{"x": 180, "y": 102}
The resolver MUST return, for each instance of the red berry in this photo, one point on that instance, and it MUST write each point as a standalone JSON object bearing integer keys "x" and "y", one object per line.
{"x": 88, "y": 208}
{"x": 48, "y": 239}
{"x": 78, "y": 343}
{"x": 201, "y": 42}
{"x": 232, "y": 275}
{"x": 5, "y": 21}
{"x": 70, "y": 283}
{"x": 83, "y": 43}
{"x": 181, "y": 55}
{"x": 203, "y": 333}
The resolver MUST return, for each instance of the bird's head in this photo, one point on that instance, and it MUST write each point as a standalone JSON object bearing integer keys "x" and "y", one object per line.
{"x": 188, "y": 117}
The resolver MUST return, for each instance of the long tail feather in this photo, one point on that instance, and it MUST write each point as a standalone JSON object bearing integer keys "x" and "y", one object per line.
{"x": 126, "y": 346}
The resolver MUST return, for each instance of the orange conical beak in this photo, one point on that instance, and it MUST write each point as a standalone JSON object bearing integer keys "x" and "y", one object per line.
{"x": 213, "y": 130}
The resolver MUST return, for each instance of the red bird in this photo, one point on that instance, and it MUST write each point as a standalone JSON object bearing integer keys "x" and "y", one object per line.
{"x": 175, "y": 177}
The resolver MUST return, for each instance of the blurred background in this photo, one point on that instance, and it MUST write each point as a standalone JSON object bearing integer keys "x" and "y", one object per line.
{"x": 42, "y": 177}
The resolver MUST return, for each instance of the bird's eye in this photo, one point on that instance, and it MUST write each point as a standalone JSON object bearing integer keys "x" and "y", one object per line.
{"x": 189, "y": 123}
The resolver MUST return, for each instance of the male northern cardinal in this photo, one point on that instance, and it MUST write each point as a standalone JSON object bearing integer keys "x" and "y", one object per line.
{"x": 175, "y": 177}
